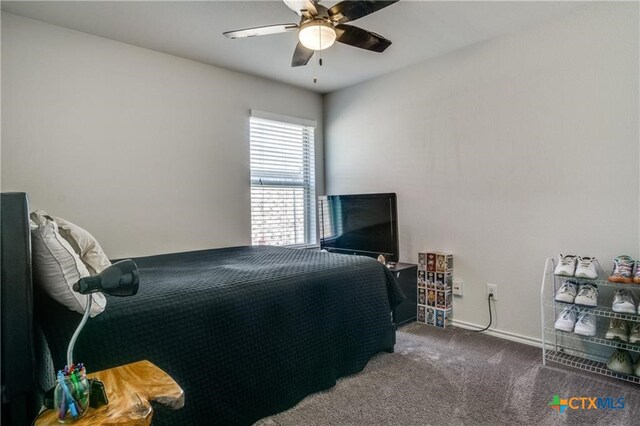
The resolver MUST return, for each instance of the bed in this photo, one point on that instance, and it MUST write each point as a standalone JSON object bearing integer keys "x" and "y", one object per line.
{"x": 246, "y": 331}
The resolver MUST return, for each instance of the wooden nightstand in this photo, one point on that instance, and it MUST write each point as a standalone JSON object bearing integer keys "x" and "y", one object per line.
{"x": 130, "y": 388}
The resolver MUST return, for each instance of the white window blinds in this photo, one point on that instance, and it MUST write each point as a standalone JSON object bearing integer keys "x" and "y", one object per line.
{"x": 282, "y": 182}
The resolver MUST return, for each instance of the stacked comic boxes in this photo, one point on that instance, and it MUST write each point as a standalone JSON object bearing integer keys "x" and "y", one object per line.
{"x": 435, "y": 280}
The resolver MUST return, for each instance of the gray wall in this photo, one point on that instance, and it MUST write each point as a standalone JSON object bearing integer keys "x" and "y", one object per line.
{"x": 148, "y": 151}
{"x": 504, "y": 153}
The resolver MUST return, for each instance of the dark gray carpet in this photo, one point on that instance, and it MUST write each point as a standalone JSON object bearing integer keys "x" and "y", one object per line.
{"x": 455, "y": 376}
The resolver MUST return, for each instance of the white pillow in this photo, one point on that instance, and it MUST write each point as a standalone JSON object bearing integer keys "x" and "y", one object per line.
{"x": 85, "y": 245}
{"x": 57, "y": 267}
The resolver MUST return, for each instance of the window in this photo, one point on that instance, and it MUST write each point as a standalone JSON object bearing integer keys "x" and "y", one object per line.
{"x": 282, "y": 180}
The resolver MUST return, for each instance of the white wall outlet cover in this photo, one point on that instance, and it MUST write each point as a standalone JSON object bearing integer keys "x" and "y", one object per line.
{"x": 457, "y": 287}
{"x": 492, "y": 289}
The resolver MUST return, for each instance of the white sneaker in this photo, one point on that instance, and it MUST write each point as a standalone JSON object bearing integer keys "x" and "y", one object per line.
{"x": 623, "y": 302}
{"x": 586, "y": 268}
{"x": 586, "y": 325}
{"x": 621, "y": 362}
{"x": 567, "y": 292}
{"x": 634, "y": 337}
{"x": 567, "y": 319}
{"x": 618, "y": 329}
{"x": 587, "y": 295}
{"x": 566, "y": 265}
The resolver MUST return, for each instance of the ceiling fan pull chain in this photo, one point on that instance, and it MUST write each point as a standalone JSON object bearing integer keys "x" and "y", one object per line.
{"x": 315, "y": 79}
{"x": 320, "y": 51}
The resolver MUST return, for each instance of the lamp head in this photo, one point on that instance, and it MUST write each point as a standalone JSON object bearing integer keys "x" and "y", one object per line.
{"x": 120, "y": 279}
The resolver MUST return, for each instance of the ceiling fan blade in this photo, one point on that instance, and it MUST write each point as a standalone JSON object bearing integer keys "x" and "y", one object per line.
{"x": 299, "y": 5}
{"x": 351, "y": 10}
{"x": 301, "y": 55}
{"x": 260, "y": 31}
{"x": 354, "y": 36}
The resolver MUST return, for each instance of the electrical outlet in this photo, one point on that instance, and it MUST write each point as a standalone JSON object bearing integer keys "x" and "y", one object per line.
{"x": 457, "y": 287}
{"x": 492, "y": 289}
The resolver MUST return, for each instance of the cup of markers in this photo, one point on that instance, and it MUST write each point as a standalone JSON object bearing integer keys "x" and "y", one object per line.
{"x": 71, "y": 397}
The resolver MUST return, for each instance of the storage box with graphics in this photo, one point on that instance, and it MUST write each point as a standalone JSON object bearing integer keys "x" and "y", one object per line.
{"x": 431, "y": 280}
{"x": 422, "y": 279}
{"x": 421, "y": 313}
{"x": 430, "y": 316}
{"x": 422, "y": 261}
{"x": 439, "y": 318}
{"x": 448, "y": 281}
{"x": 431, "y": 262}
{"x": 443, "y": 299}
{"x": 444, "y": 281}
{"x": 431, "y": 297}
{"x": 422, "y": 296}
{"x": 443, "y": 317}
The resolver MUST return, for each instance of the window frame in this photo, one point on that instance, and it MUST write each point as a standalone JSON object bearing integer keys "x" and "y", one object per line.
{"x": 308, "y": 183}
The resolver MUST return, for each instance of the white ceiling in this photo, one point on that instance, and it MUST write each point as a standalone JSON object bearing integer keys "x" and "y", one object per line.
{"x": 418, "y": 29}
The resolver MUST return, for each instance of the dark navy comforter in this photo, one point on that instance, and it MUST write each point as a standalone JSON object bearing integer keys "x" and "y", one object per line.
{"x": 246, "y": 331}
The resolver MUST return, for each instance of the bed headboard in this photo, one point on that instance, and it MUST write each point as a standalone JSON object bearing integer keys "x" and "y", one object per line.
{"x": 18, "y": 366}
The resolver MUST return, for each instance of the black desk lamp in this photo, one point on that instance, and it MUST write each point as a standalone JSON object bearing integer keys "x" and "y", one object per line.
{"x": 120, "y": 279}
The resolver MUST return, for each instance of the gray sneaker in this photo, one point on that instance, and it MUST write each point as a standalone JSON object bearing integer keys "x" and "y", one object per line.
{"x": 567, "y": 292}
{"x": 567, "y": 319}
{"x": 620, "y": 362}
{"x": 623, "y": 302}
{"x": 618, "y": 329}
{"x": 587, "y": 295}
{"x": 586, "y": 324}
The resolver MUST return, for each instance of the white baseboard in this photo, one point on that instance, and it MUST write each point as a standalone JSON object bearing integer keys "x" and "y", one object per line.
{"x": 499, "y": 333}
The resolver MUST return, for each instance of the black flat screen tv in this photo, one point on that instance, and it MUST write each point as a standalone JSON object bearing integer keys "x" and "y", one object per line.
{"x": 362, "y": 224}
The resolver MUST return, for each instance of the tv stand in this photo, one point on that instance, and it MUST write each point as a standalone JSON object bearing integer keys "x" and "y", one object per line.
{"x": 407, "y": 277}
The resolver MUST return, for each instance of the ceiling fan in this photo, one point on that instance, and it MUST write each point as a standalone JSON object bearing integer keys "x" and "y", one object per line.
{"x": 320, "y": 27}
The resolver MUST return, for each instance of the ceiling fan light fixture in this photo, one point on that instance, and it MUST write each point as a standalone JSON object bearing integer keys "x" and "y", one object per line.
{"x": 317, "y": 35}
